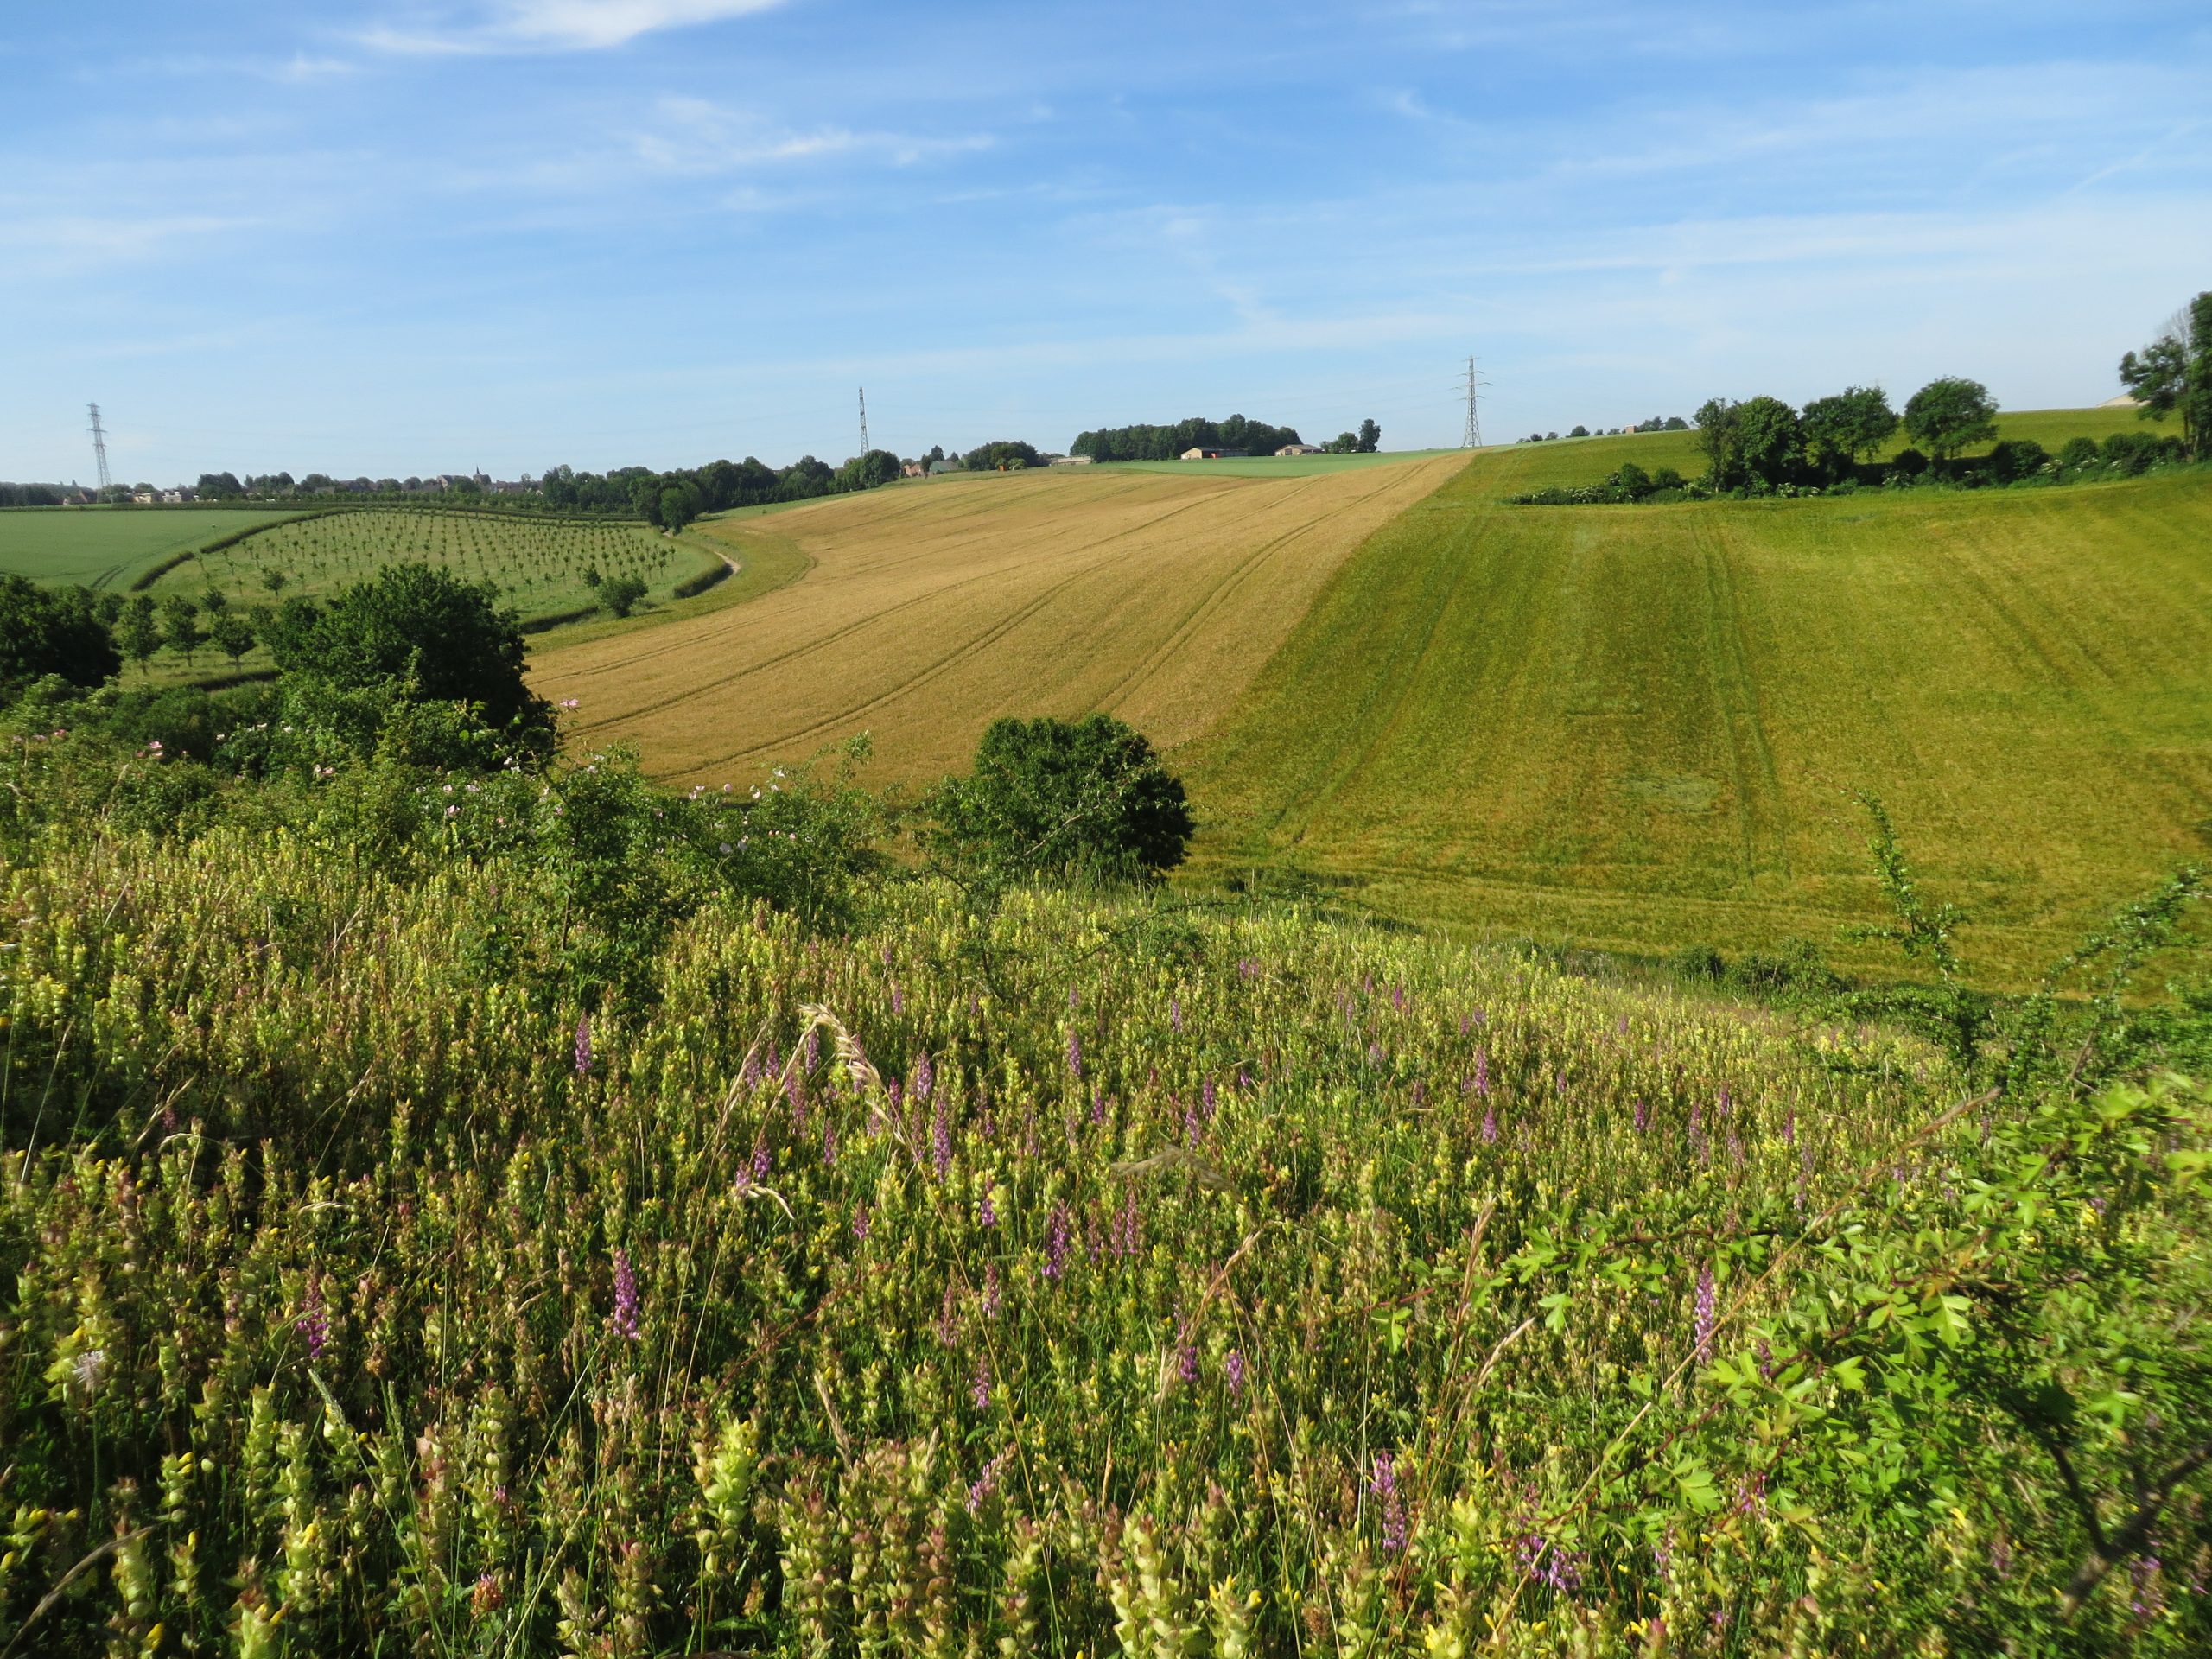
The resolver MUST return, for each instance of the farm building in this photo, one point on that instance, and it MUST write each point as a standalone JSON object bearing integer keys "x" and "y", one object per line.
{"x": 1069, "y": 461}
{"x": 1301, "y": 449}
{"x": 912, "y": 469}
{"x": 1211, "y": 454}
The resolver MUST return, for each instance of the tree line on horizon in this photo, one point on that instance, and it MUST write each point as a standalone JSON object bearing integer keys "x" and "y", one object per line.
{"x": 1150, "y": 443}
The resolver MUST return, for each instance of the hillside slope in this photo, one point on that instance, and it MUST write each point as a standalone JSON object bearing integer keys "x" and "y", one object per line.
{"x": 932, "y": 608}
{"x": 1635, "y": 726}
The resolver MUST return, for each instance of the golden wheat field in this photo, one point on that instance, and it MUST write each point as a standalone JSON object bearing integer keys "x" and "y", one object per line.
{"x": 931, "y": 609}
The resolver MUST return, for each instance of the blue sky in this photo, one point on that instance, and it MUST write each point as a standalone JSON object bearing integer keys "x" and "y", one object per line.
{"x": 425, "y": 235}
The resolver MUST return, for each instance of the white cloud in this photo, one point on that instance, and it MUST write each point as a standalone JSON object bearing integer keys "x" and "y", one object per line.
{"x": 549, "y": 25}
{"x": 695, "y": 134}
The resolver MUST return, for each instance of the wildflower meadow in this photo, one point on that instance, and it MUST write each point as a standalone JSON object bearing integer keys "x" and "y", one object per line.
{"x": 1079, "y": 1274}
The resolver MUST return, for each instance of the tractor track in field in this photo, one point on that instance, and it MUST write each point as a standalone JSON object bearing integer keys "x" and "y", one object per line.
{"x": 995, "y": 631}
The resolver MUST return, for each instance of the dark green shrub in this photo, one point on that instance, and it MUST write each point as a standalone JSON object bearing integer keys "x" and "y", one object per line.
{"x": 1700, "y": 963}
{"x": 43, "y": 632}
{"x": 2014, "y": 459}
{"x": 1053, "y": 797}
{"x": 2078, "y": 452}
{"x": 621, "y": 594}
{"x": 441, "y": 639}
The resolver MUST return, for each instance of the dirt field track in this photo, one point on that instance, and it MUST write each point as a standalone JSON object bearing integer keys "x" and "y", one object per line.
{"x": 931, "y": 609}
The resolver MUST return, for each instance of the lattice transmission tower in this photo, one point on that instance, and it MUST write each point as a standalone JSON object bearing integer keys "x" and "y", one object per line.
{"x": 99, "y": 444}
{"x": 1473, "y": 383}
{"x": 864, "y": 443}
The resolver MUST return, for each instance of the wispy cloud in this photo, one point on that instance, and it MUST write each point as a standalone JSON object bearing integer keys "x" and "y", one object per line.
{"x": 545, "y": 25}
{"x": 695, "y": 134}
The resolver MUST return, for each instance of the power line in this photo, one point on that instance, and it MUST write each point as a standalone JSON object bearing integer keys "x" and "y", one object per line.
{"x": 99, "y": 444}
{"x": 864, "y": 443}
{"x": 1473, "y": 438}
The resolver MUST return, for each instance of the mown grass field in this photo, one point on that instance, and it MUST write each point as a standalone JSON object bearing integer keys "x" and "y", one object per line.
{"x": 1635, "y": 727}
{"x": 931, "y": 609}
{"x": 537, "y": 564}
{"x": 109, "y": 547}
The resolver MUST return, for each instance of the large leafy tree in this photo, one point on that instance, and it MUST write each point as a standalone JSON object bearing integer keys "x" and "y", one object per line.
{"x": 1757, "y": 443}
{"x": 2174, "y": 371}
{"x": 1853, "y": 425}
{"x": 1371, "y": 436}
{"x": 416, "y": 627}
{"x": 1050, "y": 796}
{"x": 43, "y": 632}
{"x": 1947, "y": 414}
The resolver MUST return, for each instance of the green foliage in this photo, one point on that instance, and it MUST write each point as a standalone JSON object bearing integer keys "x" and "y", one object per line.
{"x": 2175, "y": 372}
{"x": 1947, "y": 414}
{"x": 44, "y": 632}
{"x": 2010, "y": 460}
{"x": 445, "y": 638}
{"x": 1370, "y": 438}
{"x": 1000, "y": 454}
{"x": 181, "y": 628}
{"x": 1053, "y": 796}
{"x": 1166, "y": 443}
{"x": 621, "y": 594}
{"x": 1853, "y": 425}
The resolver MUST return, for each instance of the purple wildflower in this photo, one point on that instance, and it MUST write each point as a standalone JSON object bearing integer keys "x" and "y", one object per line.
{"x": 1551, "y": 1564}
{"x": 626, "y": 1297}
{"x": 859, "y": 1221}
{"x": 1490, "y": 1126}
{"x": 987, "y": 1213}
{"x": 1098, "y": 1107}
{"x": 924, "y": 1076}
{"x": 992, "y": 1300}
{"x": 810, "y": 1050}
{"x": 314, "y": 1323}
{"x": 1383, "y": 1485}
{"x": 583, "y": 1044}
{"x": 941, "y": 1142}
{"x": 1187, "y": 1359}
{"x": 1175, "y": 1014}
{"x": 948, "y": 1318}
{"x": 1207, "y": 1097}
{"x": 1056, "y": 1242}
{"x": 1075, "y": 1056}
{"x": 2147, "y": 1595}
{"x": 829, "y": 1143}
{"x": 987, "y": 1483}
{"x": 1790, "y": 1128}
{"x": 760, "y": 1157}
{"x": 1234, "y": 1366}
{"x": 795, "y": 1092}
{"x": 1705, "y": 1314}
{"x": 980, "y": 1390}
{"x": 898, "y": 1000}
{"x": 1643, "y": 1116}
{"x": 1128, "y": 1232}
{"x": 1482, "y": 1072}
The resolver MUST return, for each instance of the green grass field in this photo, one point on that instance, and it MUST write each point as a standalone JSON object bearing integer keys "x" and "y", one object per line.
{"x": 109, "y": 547}
{"x": 1635, "y": 727}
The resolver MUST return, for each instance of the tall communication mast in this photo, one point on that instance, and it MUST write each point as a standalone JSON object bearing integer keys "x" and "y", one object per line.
{"x": 1473, "y": 439}
{"x": 864, "y": 443}
{"x": 99, "y": 444}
